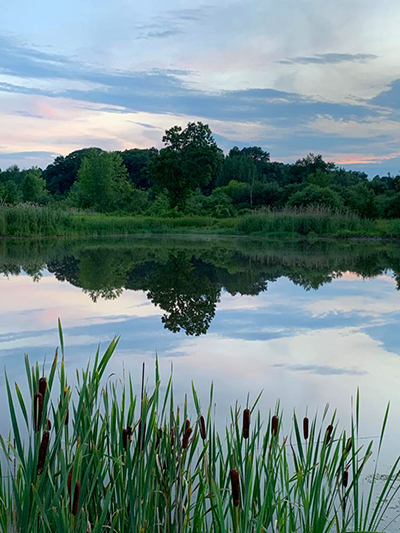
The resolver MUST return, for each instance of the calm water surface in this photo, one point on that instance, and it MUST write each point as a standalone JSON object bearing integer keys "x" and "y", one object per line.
{"x": 306, "y": 323}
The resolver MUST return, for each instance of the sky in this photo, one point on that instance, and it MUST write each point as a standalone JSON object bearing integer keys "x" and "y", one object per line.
{"x": 293, "y": 77}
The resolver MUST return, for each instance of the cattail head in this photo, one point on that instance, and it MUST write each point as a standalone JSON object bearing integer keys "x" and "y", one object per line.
{"x": 48, "y": 423}
{"x": 274, "y": 425}
{"x": 66, "y": 389}
{"x": 187, "y": 424}
{"x": 246, "y": 423}
{"x": 125, "y": 438}
{"x": 345, "y": 479}
{"x": 69, "y": 480}
{"x": 37, "y": 409}
{"x": 77, "y": 492}
{"x": 305, "y": 428}
{"x": 235, "y": 484}
{"x": 203, "y": 430}
{"x": 43, "y": 385}
{"x": 349, "y": 444}
{"x": 130, "y": 431}
{"x": 328, "y": 435}
{"x": 186, "y": 437}
{"x": 43, "y": 452}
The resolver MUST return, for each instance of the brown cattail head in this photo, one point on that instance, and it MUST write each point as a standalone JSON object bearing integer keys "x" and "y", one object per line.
{"x": 186, "y": 437}
{"x": 66, "y": 389}
{"x": 345, "y": 479}
{"x": 203, "y": 431}
{"x": 349, "y": 444}
{"x": 187, "y": 424}
{"x": 43, "y": 452}
{"x": 77, "y": 492}
{"x": 305, "y": 428}
{"x": 37, "y": 409}
{"x": 274, "y": 425}
{"x": 48, "y": 423}
{"x": 125, "y": 436}
{"x": 130, "y": 431}
{"x": 246, "y": 423}
{"x": 69, "y": 480}
{"x": 235, "y": 483}
{"x": 43, "y": 385}
{"x": 328, "y": 436}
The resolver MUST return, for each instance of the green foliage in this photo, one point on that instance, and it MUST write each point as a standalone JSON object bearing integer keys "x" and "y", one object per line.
{"x": 117, "y": 459}
{"x": 316, "y": 196}
{"x": 34, "y": 187}
{"x": 362, "y": 200}
{"x": 9, "y": 193}
{"x": 189, "y": 160}
{"x": 102, "y": 183}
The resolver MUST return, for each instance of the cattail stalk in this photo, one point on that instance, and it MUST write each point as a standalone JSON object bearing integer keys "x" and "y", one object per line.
{"x": 235, "y": 484}
{"x": 77, "y": 492}
{"x": 305, "y": 428}
{"x": 43, "y": 452}
{"x": 246, "y": 423}
{"x": 37, "y": 410}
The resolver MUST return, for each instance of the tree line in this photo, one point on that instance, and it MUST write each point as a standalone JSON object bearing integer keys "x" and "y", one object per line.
{"x": 192, "y": 175}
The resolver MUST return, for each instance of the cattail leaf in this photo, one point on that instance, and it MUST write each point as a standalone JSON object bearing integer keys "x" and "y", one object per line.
{"x": 22, "y": 405}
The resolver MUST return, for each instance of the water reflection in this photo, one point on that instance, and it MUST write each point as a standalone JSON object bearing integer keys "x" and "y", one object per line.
{"x": 185, "y": 278}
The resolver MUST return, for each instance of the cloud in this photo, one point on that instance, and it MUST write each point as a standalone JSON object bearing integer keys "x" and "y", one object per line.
{"x": 390, "y": 97}
{"x": 324, "y": 370}
{"x": 328, "y": 59}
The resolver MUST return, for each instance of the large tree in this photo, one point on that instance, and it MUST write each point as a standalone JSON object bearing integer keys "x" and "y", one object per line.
{"x": 102, "y": 183}
{"x": 189, "y": 160}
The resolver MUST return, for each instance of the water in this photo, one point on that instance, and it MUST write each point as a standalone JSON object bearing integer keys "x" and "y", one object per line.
{"x": 307, "y": 323}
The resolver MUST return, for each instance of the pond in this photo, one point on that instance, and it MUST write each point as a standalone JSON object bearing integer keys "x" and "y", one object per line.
{"x": 307, "y": 323}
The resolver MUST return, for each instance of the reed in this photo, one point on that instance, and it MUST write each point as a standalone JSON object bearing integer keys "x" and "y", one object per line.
{"x": 179, "y": 476}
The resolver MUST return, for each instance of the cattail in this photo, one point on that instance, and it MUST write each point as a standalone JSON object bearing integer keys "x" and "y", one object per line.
{"x": 349, "y": 444}
{"x": 37, "y": 409}
{"x": 186, "y": 437}
{"x": 203, "y": 431}
{"x": 43, "y": 452}
{"x": 69, "y": 480}
{"x": 235, "y": 483}
{"x": 48, "y": 423}
{"x": 66, "y": 389}
{"x": 187, "y": 424}
{"x": 274, "y": 425}
{"x": 129, "y": 430}
{"x": 77, "y": 492}
{"x": 42, "y": 386}
{"x": 125, "y": 438}
{"x": 329, "y": 431}
{"x": 305, "y": 428}
{"x": 345, "y": 479}
{"x": 246, "y": 423}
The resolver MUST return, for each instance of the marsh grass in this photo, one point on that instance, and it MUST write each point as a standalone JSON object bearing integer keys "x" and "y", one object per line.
{"x": 35, "y": 221}
{"x": 128, "y": 462}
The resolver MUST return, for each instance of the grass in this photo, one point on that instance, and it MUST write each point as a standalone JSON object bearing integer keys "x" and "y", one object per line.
{"x": 119, "y": 461}
{"x": 34, "y": 221}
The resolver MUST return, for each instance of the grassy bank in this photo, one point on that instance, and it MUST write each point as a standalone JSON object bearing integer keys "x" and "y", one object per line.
{"x": 105, "y": 458}
{"x": 31, "y": 221}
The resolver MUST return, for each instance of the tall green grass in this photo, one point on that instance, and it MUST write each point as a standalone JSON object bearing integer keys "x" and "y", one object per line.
{"x": 119, "y": 461}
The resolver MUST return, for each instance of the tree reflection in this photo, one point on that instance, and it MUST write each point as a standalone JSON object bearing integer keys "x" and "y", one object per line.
{"x": 186, "y": 280}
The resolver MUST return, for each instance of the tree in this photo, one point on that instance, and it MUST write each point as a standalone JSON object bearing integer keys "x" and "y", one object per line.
{"x": 189, "y": 160}
{"x": 137, "y": 163}
{"x": 102, "y": 183}
{"x": 63, "y": 172}
{"x": 312, "y": 195}
{"x": 34, "y": 187}
{"x": 9, "y": 193}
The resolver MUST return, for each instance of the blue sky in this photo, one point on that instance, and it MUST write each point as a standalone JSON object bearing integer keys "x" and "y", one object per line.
{"x": 293, "y": 77}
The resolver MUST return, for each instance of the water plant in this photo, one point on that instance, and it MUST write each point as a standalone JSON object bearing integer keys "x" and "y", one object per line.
{"x": 118, "y": 460}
